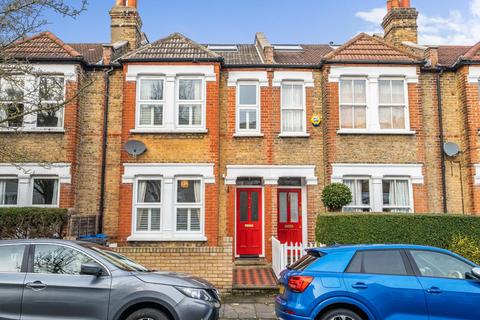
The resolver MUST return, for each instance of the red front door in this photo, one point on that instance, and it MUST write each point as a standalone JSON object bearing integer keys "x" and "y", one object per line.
{"x": 290, "y": 215}
{"x": 249, "y": 221}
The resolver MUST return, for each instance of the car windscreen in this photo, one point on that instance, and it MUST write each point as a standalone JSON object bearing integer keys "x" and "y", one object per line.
{"x": 305, "y": 261}
{"x": 118, "y": 260}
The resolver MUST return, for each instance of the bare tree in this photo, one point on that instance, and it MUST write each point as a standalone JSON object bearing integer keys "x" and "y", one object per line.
{"x": 26, "y": 95}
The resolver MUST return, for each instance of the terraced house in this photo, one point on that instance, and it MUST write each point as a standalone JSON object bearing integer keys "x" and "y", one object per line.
{"x": 240, "y": 139}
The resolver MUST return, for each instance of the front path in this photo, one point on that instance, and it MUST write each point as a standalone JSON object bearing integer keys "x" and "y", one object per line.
{"x": 248, "y": 307}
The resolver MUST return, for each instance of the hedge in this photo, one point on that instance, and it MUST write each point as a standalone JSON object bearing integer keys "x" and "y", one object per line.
{"x": 22, "y": 223}
{"x": 432, "y": 230}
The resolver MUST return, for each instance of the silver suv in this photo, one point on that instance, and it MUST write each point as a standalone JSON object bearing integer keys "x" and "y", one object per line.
{"x": 56, "y": 279}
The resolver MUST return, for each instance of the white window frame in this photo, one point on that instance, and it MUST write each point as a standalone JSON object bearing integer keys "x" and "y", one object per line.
{"x": 62, "y": 109}
{"x": 32, "y": 186}
{"x": 405, "y": 104}
{"x": 239, "y": 107}
{"x": 353, "y": 104}
{"x": 361, "y": 207}
{"x": 140, "y": 102}
{"x": 200, "y": 205}
{"x": 410, "y": 193}
{"x": 31, "y": 85}
{"x": 147, "y": 205}
{"x": 4, "y": 178}
{"x": 201, "y": 102}
{"x": 303, "y": 108}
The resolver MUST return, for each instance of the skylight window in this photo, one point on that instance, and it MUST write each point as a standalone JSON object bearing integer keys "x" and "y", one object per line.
{"x": 223, "y": 48}
{"x": 288, "y": 47}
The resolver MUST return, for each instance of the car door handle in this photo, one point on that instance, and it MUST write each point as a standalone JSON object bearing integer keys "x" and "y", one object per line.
{"x": 36, "y": 286}
{"x": 434, "y": 290}
{"x": 359, "y": 285}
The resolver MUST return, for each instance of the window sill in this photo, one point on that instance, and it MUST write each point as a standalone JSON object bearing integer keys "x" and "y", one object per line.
{"x": 375, "y": 132}
{"x": 24, "y": 130}
{"x": 163, "y": 238}
{"x": 248, "y": 135}
{"x": 169, "y": 131}
{"x": 294, "y": 135}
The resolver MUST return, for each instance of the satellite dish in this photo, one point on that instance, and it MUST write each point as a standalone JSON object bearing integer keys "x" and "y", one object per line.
{"x": 135, "y": 148}
{"x": 451, "y": 149}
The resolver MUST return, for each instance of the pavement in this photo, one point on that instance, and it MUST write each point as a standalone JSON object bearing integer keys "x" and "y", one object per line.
{"x": 248, "y": 307}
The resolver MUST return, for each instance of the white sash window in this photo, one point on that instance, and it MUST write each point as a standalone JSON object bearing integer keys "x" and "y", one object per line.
{"x": 293, "y": 108}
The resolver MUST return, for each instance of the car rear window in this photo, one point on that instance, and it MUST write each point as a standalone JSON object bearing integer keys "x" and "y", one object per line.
{"x": 305, "y": 261}
{"x": 389, "y": 262}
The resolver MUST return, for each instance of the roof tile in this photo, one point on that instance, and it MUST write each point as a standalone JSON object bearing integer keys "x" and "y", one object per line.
{"x": 369, "y": 49}
{"x": 175, "y": 46}
{"x": 44, "y": 45}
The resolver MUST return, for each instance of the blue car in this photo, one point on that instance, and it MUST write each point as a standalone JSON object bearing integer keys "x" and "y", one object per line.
{"x": 380, "y": 282}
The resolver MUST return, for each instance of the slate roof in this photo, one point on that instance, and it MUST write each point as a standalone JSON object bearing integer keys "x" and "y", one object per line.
{"x": 174, "y": 47}
{"x": 91, "y": 52}
{"x": 449, "y": 55}
{"x": 247, "y": 54}
{"x": 42, "y": 46}
{"x": 312, "y": 54}
{"x": 369, "y": 49}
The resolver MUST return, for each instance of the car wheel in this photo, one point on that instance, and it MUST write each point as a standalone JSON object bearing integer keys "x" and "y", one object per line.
{"x": 341, "y": 314}
{"x": 147, "y": 314}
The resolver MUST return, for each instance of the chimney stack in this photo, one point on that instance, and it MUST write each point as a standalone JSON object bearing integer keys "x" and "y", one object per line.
{"x": 265, "y": 48}
{"x": 126, "y": 24}
{"x": 400, "y": 23}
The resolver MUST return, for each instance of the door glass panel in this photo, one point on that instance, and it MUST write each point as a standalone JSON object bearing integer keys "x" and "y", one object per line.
{"x": 11, "y": 258}
{"x": 293, "y": 207}
{"x": 254, "y": 206}
{"x": 243, "y": 206}
{"x": 439, "y": 265}
{"x": 283, "y": 207}
{"x": 54, "y": 259}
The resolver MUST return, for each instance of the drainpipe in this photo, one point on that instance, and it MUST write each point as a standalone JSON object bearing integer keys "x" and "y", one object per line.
{"x": 104, "y": 150}
{"x": 439, "y": 73}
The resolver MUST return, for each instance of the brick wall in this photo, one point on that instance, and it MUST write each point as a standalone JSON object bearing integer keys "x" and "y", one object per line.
{"x": 214, "y": 263}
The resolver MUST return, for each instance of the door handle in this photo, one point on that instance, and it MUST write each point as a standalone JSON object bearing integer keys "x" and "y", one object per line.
{"x": 359, "y": 285}
{"x": 434, "y": 290}
{"x": 36, "y": 286}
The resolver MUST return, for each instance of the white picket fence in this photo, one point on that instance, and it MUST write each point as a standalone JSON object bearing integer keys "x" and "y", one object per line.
{"x": 288, "y": 253}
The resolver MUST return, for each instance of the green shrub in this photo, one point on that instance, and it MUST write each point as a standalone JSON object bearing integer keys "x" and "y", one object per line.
{"x": 335, "y": 196}
{"x": 444, "y": 231}
{"x": 22, "y": 223}
{"x": 466, "y": 246}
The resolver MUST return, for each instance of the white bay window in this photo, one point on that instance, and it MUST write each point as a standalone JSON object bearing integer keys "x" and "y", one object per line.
{"x": 168, "y": 200}
{"x": 293, "y": 108}
{"x": 374, "y": 100}
{"x": 379, "y": 187}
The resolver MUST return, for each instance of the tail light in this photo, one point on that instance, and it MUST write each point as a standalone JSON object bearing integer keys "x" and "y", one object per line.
{"x": 299, "y": 283}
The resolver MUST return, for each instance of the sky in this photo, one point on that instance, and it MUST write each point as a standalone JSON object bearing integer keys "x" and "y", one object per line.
{"x": 283, "y": 21}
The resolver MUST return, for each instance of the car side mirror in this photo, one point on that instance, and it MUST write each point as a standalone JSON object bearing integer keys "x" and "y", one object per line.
{"x": 91, "y": 270}
{"x": 476, "y": 273}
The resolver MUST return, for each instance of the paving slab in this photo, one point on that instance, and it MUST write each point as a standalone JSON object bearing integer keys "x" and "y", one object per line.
{"x": 248, "y": 307}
